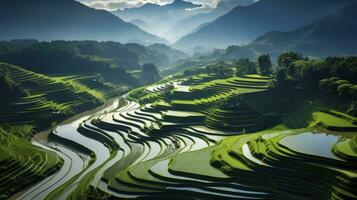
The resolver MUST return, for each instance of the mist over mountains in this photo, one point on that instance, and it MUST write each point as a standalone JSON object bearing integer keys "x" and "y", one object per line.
{"x": 331, "y": 35}
{"x": 247, "y": 27}
{"x": 155, "y": 18}
{"x": 176, "y": 19}
{"x": 334, "y": 34}
{"x": 244, "y": 24}
{"x": 192, "y": 23}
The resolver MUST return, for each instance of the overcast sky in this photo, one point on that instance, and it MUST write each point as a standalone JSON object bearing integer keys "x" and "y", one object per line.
{"x": 120, "y": 4}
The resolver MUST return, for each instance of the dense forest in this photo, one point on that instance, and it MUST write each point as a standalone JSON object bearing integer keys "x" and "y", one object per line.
{"x": 100, "y": 55}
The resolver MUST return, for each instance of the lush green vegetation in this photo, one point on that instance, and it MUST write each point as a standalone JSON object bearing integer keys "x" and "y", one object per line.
{"x": 170, "y": 144}
{"x": 94, "y": 54}
{"x": 40, "y": 100}
{"x": 262, "y": 105}
{"x": 110, "y": 59}
{"x": 290, "y": 159}
{"x": 333, "y": 78}
{"x": 225, "y": 130}
{"x": 31, "y": 102}
{"x": 149, "y": 74}
{"x": 22, "y": 163}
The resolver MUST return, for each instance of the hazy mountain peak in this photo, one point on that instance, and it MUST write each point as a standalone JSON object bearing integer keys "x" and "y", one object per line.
{"x": 180, "y": 4}
{"x": 244, "y": 23}
{"x": 160, "y": 18}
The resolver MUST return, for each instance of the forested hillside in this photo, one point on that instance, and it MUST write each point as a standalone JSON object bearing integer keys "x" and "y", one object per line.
{"x": 129, "y": 56}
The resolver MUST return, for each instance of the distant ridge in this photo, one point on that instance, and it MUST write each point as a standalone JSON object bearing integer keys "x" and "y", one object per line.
{"x": 334, "y": 34}
{"x": 244, "y": 24}
{"x": 65, "y": 20}
{"x": 159, "y": 19}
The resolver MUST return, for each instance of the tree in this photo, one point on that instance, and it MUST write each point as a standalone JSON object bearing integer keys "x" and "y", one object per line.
{"x": 307, "y": 71}
{"x": 285, "y": 59}
{"x": 280, "y": 77}
{"x": 292, "y": 71}
{"x": 245, "y": 66}
{"x": 217, "y": 69}
{"x": 343, "y": 67}
{"x": 264, "y": 63}
{"x": 149, "y": 73}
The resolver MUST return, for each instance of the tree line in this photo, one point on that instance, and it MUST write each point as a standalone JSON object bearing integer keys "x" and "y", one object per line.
{"x": 333, "y": 77}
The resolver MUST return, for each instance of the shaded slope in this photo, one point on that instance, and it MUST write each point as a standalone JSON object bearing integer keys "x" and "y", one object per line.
{"x": 49, "y": 99}
{"x": 191, "y": 23}
{"x": 158, "y": 19}
{"x": 334, "y": 34}
{"x": 23, "y": 163}
{"x": 67, "y": 20}
{"x": 244, "y": 24}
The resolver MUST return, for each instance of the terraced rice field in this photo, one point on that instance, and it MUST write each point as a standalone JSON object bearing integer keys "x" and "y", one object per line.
{"x": 50, "y": 98}
{"x": 296, "y": 164}
{"x": 172, "y": 140}
{"x": 23, "y": 164}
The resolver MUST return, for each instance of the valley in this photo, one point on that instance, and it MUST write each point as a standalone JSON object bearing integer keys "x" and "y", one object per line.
{"x": 170, "y": 139}
{"x": 178, "y": 99}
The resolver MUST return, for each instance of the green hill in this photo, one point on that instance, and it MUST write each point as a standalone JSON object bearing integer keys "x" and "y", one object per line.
{"x": 23, "y": 164}
{"x": 207, "y": 134}
{"x": 31, "y": 102}
{"x": 40, "y": 100}
{"x": 84, "y": 56}
{"x": 214, "y": 136}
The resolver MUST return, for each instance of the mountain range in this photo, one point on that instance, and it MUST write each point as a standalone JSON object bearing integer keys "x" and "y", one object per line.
{"x": 244, "y": 24}
{"x": 178, "y": 18}
{"x": 65, "y": 20}
{"x": 158, "y": 19}
{"x": 334, "y": 34}
{"x": 191, "y": 23}
{"x": 152, "y": 11}
{"x": 331, "y": 35}
{"x": 247, "y": 27}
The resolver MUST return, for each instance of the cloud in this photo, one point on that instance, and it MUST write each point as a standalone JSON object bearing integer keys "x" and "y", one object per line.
{"x": 215, "y": 3}
{"x": 111, "y": 5}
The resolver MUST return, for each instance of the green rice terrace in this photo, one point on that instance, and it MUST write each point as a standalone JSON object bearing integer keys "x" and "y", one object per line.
{"x": 185, "y": 137}
{"x": 48, "y": 98}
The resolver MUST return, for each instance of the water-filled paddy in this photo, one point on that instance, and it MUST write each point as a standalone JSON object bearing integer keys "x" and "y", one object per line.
{"x": 159, "y": 149}
{"x": 318, "y": 144}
